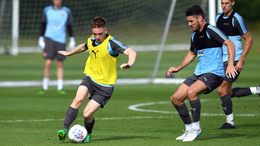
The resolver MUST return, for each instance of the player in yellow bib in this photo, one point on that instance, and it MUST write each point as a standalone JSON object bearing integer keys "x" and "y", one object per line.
{"x": 101, "y": 66}
{"x": 101, "y": 74}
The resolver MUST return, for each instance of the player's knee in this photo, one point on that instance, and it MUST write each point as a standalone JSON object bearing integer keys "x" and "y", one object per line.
{"x": 87, "y": 114}
{"x": 222, "y": 91}
{"x": 175, "y": 100}
{"x": 191, "y": 94}
{"x": 77, "y": 102}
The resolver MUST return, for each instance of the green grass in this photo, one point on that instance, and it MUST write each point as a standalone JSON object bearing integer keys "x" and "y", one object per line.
{"x": 160, "y": 129}
{"x": 30, "y": 66}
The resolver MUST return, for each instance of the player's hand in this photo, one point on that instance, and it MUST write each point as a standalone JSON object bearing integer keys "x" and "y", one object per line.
{"x": 72, "y": 43}
{"x": 64, "y": 53}
{"x": 171, "y": 70}
{"x": 231, "y": 71}
{"x": 41, "y": 42}
{"x": 125, "y": 66}
{"x": 239, "y": 66}
{"x": 169, "y": 75}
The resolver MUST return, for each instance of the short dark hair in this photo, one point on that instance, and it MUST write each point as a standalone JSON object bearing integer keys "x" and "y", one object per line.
{"x": 195, "y": 10}
{"x": 98, "y": 22}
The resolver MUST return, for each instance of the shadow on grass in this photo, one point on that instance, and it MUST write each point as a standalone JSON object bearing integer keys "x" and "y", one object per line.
{"x": 242, "y": 131}
{"x": 111, "y": 138}
{"x": 122, "y": 138}
{"x": 249, "y": 126}
{"x": 221, "y": 136}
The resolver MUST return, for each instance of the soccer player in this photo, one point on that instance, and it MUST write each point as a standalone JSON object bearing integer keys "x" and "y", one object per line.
{"x": 206, "y": 44}
{"x": 56, "y": 19}
{"x": 101, "y": 74}
{"x": 233, "y": 25}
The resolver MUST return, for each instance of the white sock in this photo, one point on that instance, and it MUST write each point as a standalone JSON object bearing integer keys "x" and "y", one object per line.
{"x": 196, "y": 125}
{"x": 45, "y": 83}
{"x": 188, "y": 127}
{"x": 60, "y": 85}
{"x": 230, "y": 119}
{"x": 254, "y": 90}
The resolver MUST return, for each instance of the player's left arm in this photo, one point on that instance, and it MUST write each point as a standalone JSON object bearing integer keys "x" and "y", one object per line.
{"x": 220, "y": 37}
{"x": 247, "y": 36}
{"x": 131, "y": 58}
{"x": 72, "y": 42}
{"x": 119, "y": 47}
{"x": 247, "y": 46}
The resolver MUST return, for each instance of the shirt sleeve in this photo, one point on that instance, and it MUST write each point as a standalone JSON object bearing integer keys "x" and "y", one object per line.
{"x": 69, "y": 23}
{"x": 192, "y": 47}
{"x": 43, "y": 22}
{"x": 117, "y": 46}
{"x": 86, "y": 45}
{"x": 217, "y": 17}
{"x": 216, "y": 34}
{"x": 240, "y": 24}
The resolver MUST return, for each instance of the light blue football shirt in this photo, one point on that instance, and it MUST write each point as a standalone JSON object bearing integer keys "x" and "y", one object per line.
{"x": 56, "y": 22}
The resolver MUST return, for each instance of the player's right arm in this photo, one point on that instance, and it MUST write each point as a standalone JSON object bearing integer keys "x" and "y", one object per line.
{"x": 80, "y": 48}
{"x": 185, "y": 62}
{"x": 41, "y": 42}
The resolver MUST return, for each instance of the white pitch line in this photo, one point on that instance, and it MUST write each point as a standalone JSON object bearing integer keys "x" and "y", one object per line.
{"x": 77, "y": 82}
{"x": 137, "y": 107}
{"x": 101, "y": 119}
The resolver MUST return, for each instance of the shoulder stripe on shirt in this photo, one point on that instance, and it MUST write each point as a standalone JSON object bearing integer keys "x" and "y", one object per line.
{"x": 118, "y": 43}
{"x": 241, "y": 22}
{"x": 219, "y": 14}
{"x": 111, "y": 51}
{"x": 221, "y": 34}
{"x": 192, "y": 35}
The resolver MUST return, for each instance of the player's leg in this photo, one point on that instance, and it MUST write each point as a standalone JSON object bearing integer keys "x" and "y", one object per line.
{"x": 245, "y": 91}
{"x": 88, "y": 115}
{"x": 177, "y": 100}
{"x": 60, "y": 59}
{"x": 72, "y": 112}
{"x": 46, "y": 74}
{"x": 193, "y": 92}
{"x": 48, "y": 54}
{"x": 224, "y": 91}
{"x": 99, "y": 99}
{"x": 60, "y": 76}
{"x": 205, "y": 84}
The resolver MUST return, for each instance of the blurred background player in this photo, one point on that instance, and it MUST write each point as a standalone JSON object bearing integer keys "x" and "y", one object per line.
{"x": 206, "y": 43}
{"x": 56, "y": 20}
{"x": 233, "y": 25}
{"x": 101, "y": 74}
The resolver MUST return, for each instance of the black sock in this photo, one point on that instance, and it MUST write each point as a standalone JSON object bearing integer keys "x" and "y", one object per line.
{"x": 184, "y": 113}
{"x": 70, "y": 117}
{"x": 239, "y": 92}
{"x": 89, "y": 126}
{"x": 195, "y": 107}
{"x": 227, "y": 104}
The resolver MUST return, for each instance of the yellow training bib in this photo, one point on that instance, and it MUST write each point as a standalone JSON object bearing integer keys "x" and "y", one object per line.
{"x": 100, "y": 65}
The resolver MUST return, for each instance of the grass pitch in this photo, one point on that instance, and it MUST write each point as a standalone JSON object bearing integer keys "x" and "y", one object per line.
{"x": 29, "y": 119}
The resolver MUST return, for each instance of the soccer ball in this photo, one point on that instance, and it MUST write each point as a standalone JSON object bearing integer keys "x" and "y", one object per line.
{"x": 77, "y": 133}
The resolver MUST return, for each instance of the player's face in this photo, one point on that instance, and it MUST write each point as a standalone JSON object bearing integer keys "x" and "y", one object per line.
{"x": 57, "y": 3}
{"x": 193, "y": 22}
{"x": 227, "y": 6}
{"x": 99, "y": 33}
